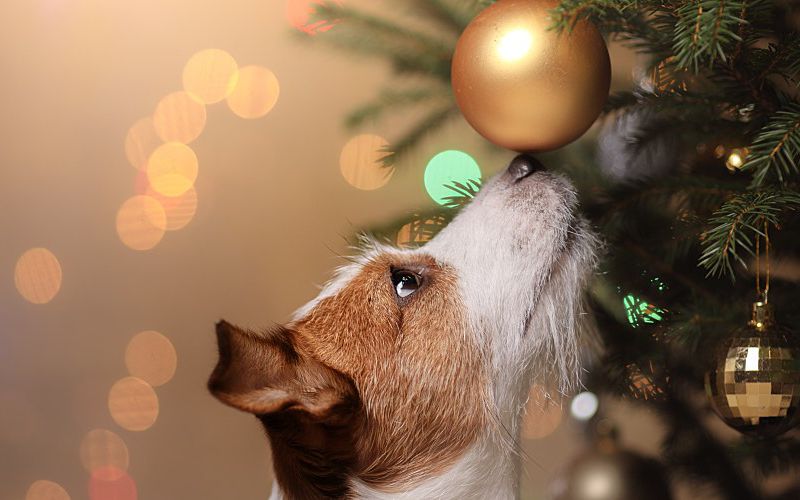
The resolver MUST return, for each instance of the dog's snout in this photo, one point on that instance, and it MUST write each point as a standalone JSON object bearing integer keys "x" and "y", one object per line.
{"x": 524, "y": 165}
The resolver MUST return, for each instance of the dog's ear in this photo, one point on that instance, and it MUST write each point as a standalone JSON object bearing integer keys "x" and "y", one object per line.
{"x": 266, "y": 374}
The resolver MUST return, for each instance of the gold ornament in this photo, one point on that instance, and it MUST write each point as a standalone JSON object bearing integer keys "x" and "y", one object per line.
{"x": 754, "y": 384}
{"x": 606, "y": 472}
{"x": 525, "y": 87}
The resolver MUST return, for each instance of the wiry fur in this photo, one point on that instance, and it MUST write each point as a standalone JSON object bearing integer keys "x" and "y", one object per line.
{"x": 520, "y": 259}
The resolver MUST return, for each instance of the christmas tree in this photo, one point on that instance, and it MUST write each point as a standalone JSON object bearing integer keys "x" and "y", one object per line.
{"x": 692, "y": 183}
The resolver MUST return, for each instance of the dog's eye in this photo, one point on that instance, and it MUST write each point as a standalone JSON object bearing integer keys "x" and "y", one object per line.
{"x": 405, "y": 283}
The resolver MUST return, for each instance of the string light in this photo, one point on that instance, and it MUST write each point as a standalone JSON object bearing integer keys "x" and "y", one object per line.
{"x": 543, "y": 415}
{"x": 448, "y": 167}
{"x": 122, "y": 487}
{"x": 300, "y": 12}
{"x": 179, "y": 117}
{"x": 172, "y": 169}
{"x": 584, "y": 406}
{"x": 46, "y": 490}
{"x": 140, "y": 142}
{"x": 360, "y": 162}
{"x": 38, "y": 276}
{"x": 101, "y": 449}
{"x": 151, "y": 357}
{"x": 255, "y": 94}
{"x": 141, "y": 222}
{"x": 210, "y": 75}
{"x": 133, "y": 404}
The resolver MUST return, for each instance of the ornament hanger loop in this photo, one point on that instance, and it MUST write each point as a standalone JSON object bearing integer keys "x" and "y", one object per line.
{"x": 763, "y": 294}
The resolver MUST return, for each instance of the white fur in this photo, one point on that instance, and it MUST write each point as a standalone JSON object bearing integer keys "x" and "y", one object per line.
{"x": 522, "y": 259}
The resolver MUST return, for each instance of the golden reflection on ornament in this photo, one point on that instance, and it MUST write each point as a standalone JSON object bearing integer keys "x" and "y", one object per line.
{"x": 179, "y": 117}
{"x": 299, "y": 13}
{"x": 133, "y": 404}
{"x": 542, "y": 414}
{"x": 37, "y": 275}
{"x": 46, "y": 490}
{"x": 172, "y": 169}
{"x": 141, "y": 222}
{"x": 151, "y": 357}
{"x": 140, "y": 142}
{"x": 121, "y": 487}
{"x": 210, "y": 75}
{"x": 719, "y": 151}
{"x": 104, "y": 453}
{"x": 180, "y": 210}
{"x": 360, "y": 162}
{"x": 255, "y": 94}
{"x": 514, "y": 44}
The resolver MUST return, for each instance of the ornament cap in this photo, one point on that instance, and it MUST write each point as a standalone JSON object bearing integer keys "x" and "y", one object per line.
{"x": 761, "y": 318}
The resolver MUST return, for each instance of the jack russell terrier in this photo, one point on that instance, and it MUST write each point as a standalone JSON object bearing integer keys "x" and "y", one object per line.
{"x": 407, "y": 377}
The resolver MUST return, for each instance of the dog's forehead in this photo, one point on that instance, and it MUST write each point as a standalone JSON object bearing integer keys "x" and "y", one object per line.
{"x": 370, "y": 252}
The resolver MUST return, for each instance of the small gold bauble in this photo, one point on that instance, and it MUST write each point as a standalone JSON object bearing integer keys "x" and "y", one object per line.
{"x": 525, "y": 87}
{"x": 754, "y": 385}
{"x": 611, "y": 475}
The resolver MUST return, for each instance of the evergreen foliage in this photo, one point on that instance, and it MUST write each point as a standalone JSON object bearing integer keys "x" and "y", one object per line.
{"x": 721, "y": 74}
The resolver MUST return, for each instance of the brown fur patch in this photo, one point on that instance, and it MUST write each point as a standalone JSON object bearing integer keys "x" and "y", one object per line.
{"x": 417, "y": 370}
{"x": 367, "y": 386}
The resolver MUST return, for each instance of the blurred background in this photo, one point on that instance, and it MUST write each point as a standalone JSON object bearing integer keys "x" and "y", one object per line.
{"x": 165, "y": 164}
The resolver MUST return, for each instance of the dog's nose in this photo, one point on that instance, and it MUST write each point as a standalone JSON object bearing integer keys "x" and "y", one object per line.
{"x": 524, "y": 165}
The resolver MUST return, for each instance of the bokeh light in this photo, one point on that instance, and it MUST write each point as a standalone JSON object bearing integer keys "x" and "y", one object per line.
{"x": 180, "y": 210}
{"x": 360, "y": 162}
{"x": 179, "y": 117}
{"x": 141, "y": 222}
{"x": 448, "y": 167}
{"x": 418, "y": 232}
{"x": 300, "y": 12}
{"x": 736, "y": 158}
{"x": 584, "y": 405}
{"x": 210, "y": 75}
{"x": 122, "y": 487}
{"x": 37, "y": 275}
{"x": 46, "y": 490}
{"x": 151, "y": 357}
{"x": 140, "y": 142}
{"x": 255, "y": 94}
{"x": 104, "y": 453}
{"x": 542, "y": 414}
{"x": 133, "y": 404}
{"x": 172, "y": 169}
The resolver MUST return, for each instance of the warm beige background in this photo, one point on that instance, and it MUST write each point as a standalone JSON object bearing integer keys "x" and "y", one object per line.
{"x": 273, "y": 213}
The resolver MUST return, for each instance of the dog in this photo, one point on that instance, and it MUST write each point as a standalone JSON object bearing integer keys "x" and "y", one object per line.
{"x": 407, "y": 376}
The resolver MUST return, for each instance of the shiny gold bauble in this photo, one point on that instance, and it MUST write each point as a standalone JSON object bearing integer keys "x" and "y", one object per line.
{"x": 525, "y": 87}
{"x": 754, "y": 384}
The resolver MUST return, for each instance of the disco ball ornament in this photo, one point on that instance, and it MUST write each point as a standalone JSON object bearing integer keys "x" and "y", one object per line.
{"x": 611, "y": 475}
{"x": 754, "y": 384}
{"x": 525, "y": 87}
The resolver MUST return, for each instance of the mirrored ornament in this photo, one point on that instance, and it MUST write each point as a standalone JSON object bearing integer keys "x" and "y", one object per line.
{"x": 754, "y": 384}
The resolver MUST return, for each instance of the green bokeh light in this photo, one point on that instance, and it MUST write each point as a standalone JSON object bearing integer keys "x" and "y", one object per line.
{"x": 640, "y": 311}
{"x": 445, "y": 168}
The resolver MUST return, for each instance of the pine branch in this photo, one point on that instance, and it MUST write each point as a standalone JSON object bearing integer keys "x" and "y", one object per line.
{"x": 391, "y": 99}
{"x": 707, "y": 30}
{"x": 419, "y": 131}
{"x": 464, "y": 193}
{"x": 445, "y": 14}
{"x": 736, "y": 225}
{"x": 776, "y": 149}
{"x": 409, "y": 51}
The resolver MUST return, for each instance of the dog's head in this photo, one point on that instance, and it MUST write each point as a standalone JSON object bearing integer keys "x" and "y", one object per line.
{"x": 409, "y": 357}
